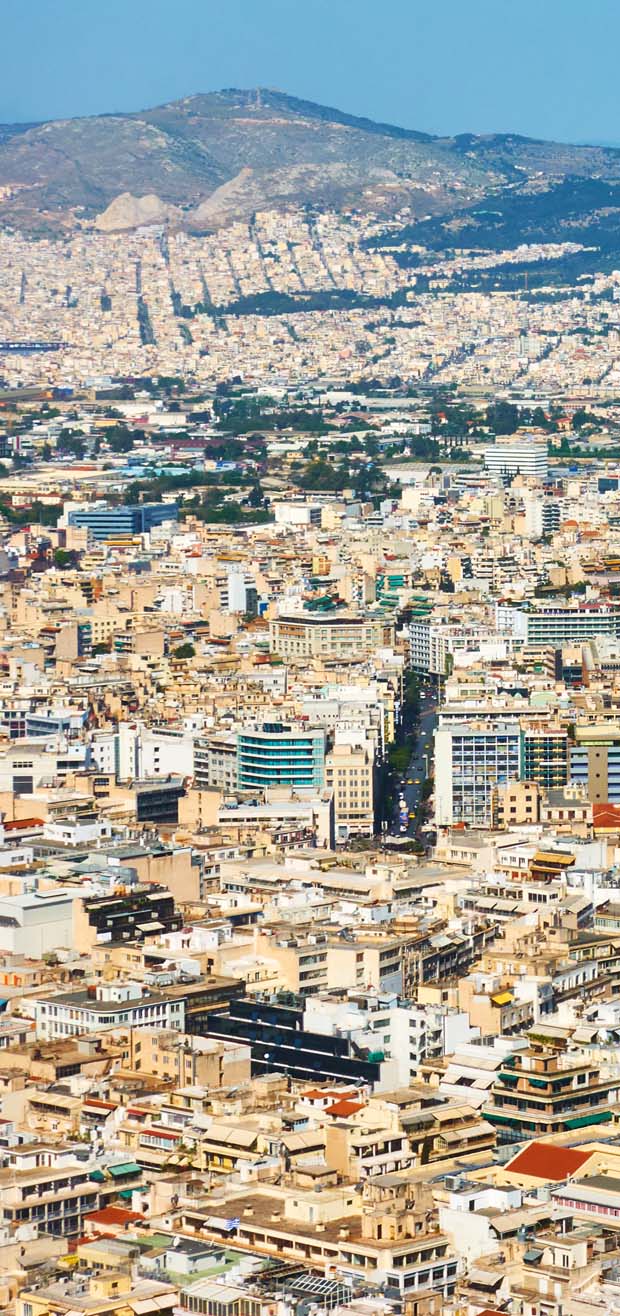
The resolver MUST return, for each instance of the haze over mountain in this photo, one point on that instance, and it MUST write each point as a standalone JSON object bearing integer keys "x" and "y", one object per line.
{"x": 209, "y": 159}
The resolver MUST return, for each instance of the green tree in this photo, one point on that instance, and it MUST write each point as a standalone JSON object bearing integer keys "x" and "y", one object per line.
{"x": 120, "y": 442}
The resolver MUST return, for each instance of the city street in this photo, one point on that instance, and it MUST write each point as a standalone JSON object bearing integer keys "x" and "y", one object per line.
{"x": 420, "y": 764}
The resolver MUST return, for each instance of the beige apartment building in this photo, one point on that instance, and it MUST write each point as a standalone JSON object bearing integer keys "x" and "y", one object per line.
{"x": 316, "y": 961}
{"x": 516, "y": 805}
{"x": 349, "y": 773}
{"x": 341, "y": 635}
{"x": 109, "y": 1293}
{"x": 184, "y": 1060}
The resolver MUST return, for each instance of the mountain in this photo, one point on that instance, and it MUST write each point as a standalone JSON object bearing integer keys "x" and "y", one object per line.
{"x": 209, "y": 159}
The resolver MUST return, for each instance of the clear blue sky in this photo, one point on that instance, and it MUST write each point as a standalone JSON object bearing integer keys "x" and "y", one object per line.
{"x": 546, "y": 68}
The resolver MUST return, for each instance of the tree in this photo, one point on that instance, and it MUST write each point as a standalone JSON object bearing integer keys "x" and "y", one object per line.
{"x": 63, "y": 559}
{"x": 322, "y": 475}
{"x": 69, "y": 441}
{"x": 120, "y": 442}
{"x": 255, "y": 497}
{"x": 503, "y": 417}
{"x": 185, "y": 651}
{"x": 582, "y": 417}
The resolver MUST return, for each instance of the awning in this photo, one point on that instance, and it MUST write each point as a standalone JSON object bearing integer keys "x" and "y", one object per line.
{"x": 97, "y": 1176}
{"x": 602, "y": 1117}
{"x": 533, "y": 1255}
{"x": 502, "y": 998}
{"x": 484, "y": 1279}
{"x": 128, "y": 1167}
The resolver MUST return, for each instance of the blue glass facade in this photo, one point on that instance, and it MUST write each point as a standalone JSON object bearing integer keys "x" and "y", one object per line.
{"x": 107, "y": 522}
{"x": 278, "y": 755}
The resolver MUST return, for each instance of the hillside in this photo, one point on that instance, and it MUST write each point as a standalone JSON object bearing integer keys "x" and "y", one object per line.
{"x": 217, "y": 157}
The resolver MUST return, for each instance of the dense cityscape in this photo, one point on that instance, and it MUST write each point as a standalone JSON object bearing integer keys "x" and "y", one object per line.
{"x": 290, "y": 299}
{"x": 309, "y": 676}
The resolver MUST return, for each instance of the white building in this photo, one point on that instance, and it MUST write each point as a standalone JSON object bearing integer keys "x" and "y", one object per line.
{"x": 108, "y": 1005}
{"x": 406, "y": 1033}
{"x": 135, "y": 751}
{"x": 26, "y": 764}
{"x": 523, "y": 456}
{"x": 36, "y": 923}
{"x": 471, "y": 759}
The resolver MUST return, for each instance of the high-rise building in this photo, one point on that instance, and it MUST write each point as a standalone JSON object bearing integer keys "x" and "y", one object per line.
{"x": 545, "y": 757}
{"x": 471, "y": 760}
{"x": 279, "y": 755}
{"x": 595, "y": 762}
{"x": 106, "y": 522}
{"x": 526, "y": 456}
{"x": 349, "y": 773}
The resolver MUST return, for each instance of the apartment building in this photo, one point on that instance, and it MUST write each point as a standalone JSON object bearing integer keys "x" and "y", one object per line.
{"x": 595, "y": 761}
{"x": 279, "y": 755}
{"x": 394, "y": 1245}
{"x": 106, "y": 1291}
{"x": 543, "y": 1091}
{"x": 330, "y": 635}
{"x": 550, "y": 625}
{"x": 184, "y": 1060}
{"x": 545, "y": 756}
{"x": 407, "y": 1033}
{"x": 130, "y": 912}
{"x": 54, "y": 1194}
{"x": 103, "y": 1007}
{"x": 520, "y": 456}
{"x": 349, "y": 773}
{"x": 215, "y": 762}
{"x": 471, "y": 761}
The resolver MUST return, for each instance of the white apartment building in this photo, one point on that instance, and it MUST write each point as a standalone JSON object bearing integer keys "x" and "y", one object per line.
{"x": 134, "y": 751}
{"x": 108, "y": 1005}
{"x": 34, "y": 923}
{"x": 407, "y": 1034}
{"x": 26, "y": 764}
{"x": 554, "y": 624}
{"x": 471, "y": 759}
{"x": 215, "y": 762}
{"x": 437, "y": 648}
{"x": 523, "y": 456}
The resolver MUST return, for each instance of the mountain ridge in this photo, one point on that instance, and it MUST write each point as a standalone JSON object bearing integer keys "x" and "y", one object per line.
{"x": 215, "y": 157}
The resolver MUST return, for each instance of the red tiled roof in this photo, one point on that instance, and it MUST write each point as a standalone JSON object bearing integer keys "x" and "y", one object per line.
{"x": 606, "y": 815}
{"x": 324, "y": 1094}
{"x": 543, "y": 1160}
{"x": 17, "y": 824}
{"x": 113, "y": 1215}
{"x": 344, "y": 1108}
